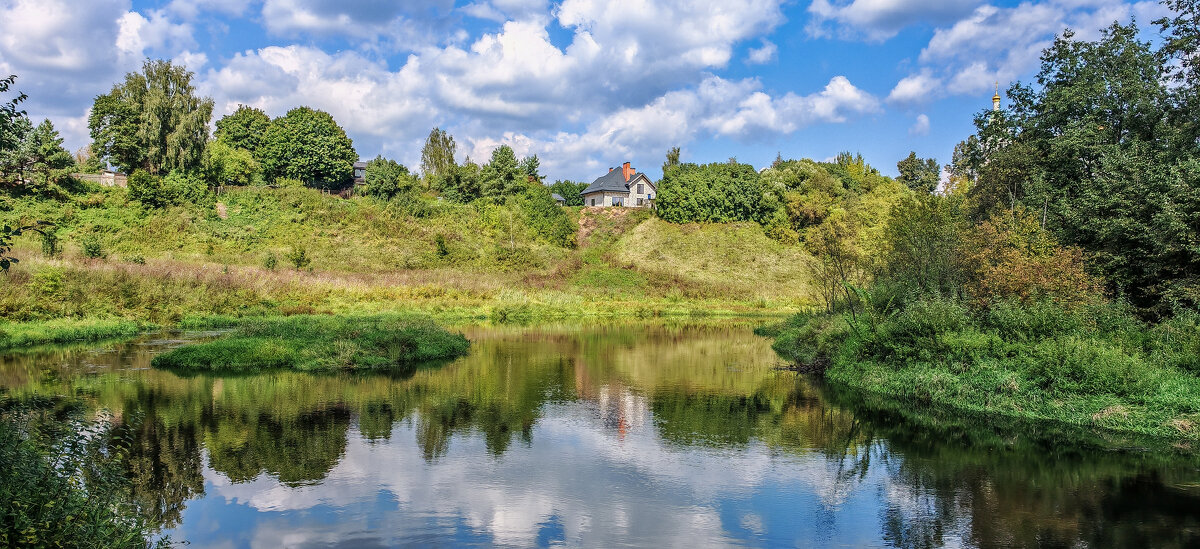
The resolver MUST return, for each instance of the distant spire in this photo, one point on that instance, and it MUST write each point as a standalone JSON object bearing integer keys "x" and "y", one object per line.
{"x": 996, "y": 98}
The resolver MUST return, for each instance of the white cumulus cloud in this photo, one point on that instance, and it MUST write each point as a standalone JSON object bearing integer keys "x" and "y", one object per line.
{"x": 920, "y": 126}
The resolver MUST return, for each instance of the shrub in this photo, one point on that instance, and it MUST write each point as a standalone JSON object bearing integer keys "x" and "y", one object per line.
{"x": 50, "y": 247}
{"x": 1019, "y": 322}
{"x": 91, "y": 247}
{"x": 1177, "y": 342}
{"x": 1012, "y": 257}
{"x": 270, "y": 261}
{"x": 1085, "y": 366}
{"x": 440, "y": 242}
{"x": 176, "y": 188}
{"x": 546, "y": 219}
{"x": 299, "y": 257}
{"x": 918, "y": 331}
{"x": 385, "y": 179}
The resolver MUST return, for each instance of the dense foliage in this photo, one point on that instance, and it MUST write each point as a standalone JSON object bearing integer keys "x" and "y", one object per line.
{"x": 308, "y": 145}
{"x": 712, "y": 193}
{"x": 387, "y": 178}
{"x": 1102, "y": 148}
{"x": 437, "y": 156}
{"x": 63, "y": 483}
{"x": 245, "y": 129}
{"x": 152, "y": 121}
{"x": 571, "y": 191}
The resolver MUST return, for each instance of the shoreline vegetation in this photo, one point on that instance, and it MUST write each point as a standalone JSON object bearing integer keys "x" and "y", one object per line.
{"x": 1095, "y": 366}
{"x": 320, "y": 344}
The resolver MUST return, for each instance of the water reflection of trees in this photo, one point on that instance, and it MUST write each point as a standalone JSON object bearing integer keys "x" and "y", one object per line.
{"x": 1016, "y": 484}
{"x": 708, "y": 388}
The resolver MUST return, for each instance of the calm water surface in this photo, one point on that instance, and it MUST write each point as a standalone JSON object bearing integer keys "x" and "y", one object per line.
{"x": 631, "y": 435}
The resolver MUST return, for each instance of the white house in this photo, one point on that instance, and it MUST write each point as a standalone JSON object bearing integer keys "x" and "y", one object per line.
{"x": 621, "y": 187}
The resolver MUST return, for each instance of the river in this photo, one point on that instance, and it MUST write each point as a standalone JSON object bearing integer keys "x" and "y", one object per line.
{"x": 644, "y": 434}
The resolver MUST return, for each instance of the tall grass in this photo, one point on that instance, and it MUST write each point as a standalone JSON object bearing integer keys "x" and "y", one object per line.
{"x": 26, "y": 334}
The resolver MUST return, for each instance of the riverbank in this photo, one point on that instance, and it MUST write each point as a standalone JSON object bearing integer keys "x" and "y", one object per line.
{"x": 283, "y": 252}
{"x": 1094, "y": 366}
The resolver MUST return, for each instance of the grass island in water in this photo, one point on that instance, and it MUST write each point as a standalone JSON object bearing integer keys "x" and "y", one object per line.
{"x": 320, "y": 343}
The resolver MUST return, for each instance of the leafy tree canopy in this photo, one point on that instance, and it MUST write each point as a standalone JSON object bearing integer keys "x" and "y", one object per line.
{"x": 387, "y": 178}
{"x": 437, "y": 156}
{"x": 571, "y": 191}
{"x": 713, "y": 193}
{"x": 1097, "y": 149}
{"x": 919, "y": 174}
{"x": 244, "y": 129}
{"x": 152, "y": 121}
{"x": 308, "y": 145}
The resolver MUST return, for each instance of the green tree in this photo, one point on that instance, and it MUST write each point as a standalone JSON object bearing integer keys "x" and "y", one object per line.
{"x": 152, "y": 121}
{"x": 308, "y": 145}
{"x": 386, "y": 179}
{"x": 244, "y": 129}
{"x": 462, "y": 183}
{"x": 571, "y": 191}
{"x": 502, "y": 176}
{"x": 1088, "y": 150}
{"x": 437, "y": 156}
{"x": 529, "y": 167}
{"x": 713, "y": 193}
{"x": 13, "y": 123}
{"x": 919, "y": 174}
{"x": 228, "y": 165}
{"x": 672, "y": 159}
{"x": 545, "y": 218}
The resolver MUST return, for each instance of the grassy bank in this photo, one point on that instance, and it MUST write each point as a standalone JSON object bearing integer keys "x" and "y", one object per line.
{"x": 311, "y": 343}
{"x": 364, "y": 256}
{"x": 1091, "y": 366}
{"x": 27, "y": 334}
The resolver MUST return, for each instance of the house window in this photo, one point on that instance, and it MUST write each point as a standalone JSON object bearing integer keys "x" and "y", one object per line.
{"x": 639, "y": 200}
{"x": 593, "y": 201}
{"x": 616, "y": 201}
{"x": 641, "y": 188}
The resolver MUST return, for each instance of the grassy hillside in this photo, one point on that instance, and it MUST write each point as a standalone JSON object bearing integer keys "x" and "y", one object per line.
{"x": 735, "y": 259}
{"x": 238, "y": 255}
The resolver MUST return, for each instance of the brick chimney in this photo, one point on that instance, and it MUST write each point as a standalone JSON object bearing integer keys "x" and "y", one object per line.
{"x": 627, "y": 171}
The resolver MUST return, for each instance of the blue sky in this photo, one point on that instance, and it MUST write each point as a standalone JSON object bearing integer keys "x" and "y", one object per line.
{"x": 584, "y": 84}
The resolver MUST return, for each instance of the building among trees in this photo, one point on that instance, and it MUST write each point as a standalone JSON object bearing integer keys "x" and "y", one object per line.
{"x": 621, "y": 187}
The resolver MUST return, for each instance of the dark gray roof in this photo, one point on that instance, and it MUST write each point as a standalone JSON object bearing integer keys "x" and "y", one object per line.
{"x": 613, "y": 182}
{"x": 557, "y": 197}
{"x": 360, "y": 165}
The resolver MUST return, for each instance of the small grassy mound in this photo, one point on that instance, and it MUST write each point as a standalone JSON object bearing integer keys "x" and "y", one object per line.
{"x": 317, "y": 343}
